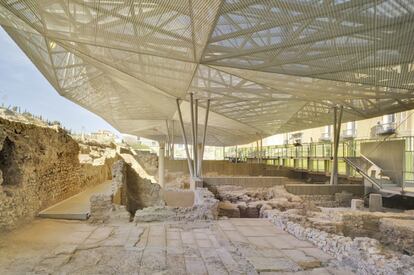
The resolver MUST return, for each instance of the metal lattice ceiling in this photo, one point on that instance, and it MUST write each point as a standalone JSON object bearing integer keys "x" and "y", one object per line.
{"x": 268, "y": 66}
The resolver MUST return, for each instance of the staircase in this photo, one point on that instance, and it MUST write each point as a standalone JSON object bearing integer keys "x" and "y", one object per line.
{"x": 381, "y": 181}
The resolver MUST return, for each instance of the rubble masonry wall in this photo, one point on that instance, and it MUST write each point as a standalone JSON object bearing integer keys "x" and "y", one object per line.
{"x": 39, "y": 166}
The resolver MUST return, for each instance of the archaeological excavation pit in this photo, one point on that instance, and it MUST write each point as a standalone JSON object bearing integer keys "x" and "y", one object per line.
{"x": 207, "y": 137}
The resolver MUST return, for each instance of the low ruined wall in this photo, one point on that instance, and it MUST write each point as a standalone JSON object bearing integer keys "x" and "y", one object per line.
{"x": 141, "y": 192}
{"x": 148, "y": 161}
{"x": 141, "y": 188}
{"x": 398, "y": 233}
{"x": 102, "y": 205}
{"x": 245, "y": 181}
{"x": 365, "y": 255}
{"x": 119, "y": 182}
{"x": 224, "y": 167}
{"x": 324, "y": 189}
{"x": 205, "y": 207}
{"x": 40, "y": 167}
{"x": 178, "y": 197}
{"x": 362, "y": 223}
{"x": 219, "y": 167}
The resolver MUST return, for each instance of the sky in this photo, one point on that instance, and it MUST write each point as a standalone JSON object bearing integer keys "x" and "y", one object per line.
{"x": 21, "y": 84}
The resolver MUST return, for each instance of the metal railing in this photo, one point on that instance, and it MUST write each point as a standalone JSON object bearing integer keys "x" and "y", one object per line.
{"x": 317, "y": 156}
{"x": 383, "y": 129}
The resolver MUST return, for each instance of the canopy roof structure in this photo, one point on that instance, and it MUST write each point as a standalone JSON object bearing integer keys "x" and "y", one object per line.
{"x": 268, "y": 66}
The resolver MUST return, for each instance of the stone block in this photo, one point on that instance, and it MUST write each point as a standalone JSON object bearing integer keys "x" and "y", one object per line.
{"x": 100, "y": 208}
{"x": 229, "y": 209}
{"x": 252, "y": 211}
{"x": 344, "y": 198}
{"x": 375, "y": 202}
{"x": 273, "y": 264}
{"x": 303, "y": 260}
{"x": 196, "y": 183}
{"x": 357, "y": 204}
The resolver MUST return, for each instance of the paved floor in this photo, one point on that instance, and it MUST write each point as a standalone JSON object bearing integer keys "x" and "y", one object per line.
{"x": 235, "y": 246}
{"x": 76, "y": 207}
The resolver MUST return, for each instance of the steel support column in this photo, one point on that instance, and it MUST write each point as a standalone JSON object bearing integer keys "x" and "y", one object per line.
{"x": 190, "y": 165}
{"x": 195, "y": 142}
{"x": 161, "y": 164}
{"x": 337, "y": 131}
{"x": 204, "y": 138}
{"x": 261, "y": 149}
{"x": 172, "y": 140}
{"x": 193, "y": 132}
{"x": 167, "y": 151}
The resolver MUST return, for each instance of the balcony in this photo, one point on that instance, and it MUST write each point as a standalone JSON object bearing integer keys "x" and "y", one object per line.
{"x": 296, "y": 139}
{"x": 383, "y": 129}
{"x": 325, "y": 137}
{"x": 348, "y": 134}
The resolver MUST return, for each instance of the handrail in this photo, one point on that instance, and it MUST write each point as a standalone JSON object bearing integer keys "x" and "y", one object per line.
{"x": 365, "y": 175}
{"x": 365, "y": 158}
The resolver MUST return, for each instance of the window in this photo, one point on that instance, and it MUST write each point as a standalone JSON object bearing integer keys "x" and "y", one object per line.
{"x": 388, "y": 118}
{"x": 350, "y": 128}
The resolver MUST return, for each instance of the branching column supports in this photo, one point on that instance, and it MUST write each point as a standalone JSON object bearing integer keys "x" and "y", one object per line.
{"x": 337, "y": 132}
{"x": 195, "y": 163}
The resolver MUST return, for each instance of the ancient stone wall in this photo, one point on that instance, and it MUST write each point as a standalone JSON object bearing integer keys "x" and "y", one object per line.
{"x": 141, "y": 192}
{"x": 398, "y": 234}
{"x": 103, "y": 206}
{"x": 148, "y": 161}
{"x": 205, "y": 208}
{"x": 40, "y": 167}
{"x": 119, "y": 182}
{"x": 365, "y": 255}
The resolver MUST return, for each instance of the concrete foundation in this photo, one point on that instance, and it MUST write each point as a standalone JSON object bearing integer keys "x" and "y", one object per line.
{"x": 357, "y": 204}
{"x": 178, "y": 198}
{"x": 196, "y": 183}
{"x": 375, "y": 202}
{"x": 246, "y": 181}
{"x": 324, "y": 189}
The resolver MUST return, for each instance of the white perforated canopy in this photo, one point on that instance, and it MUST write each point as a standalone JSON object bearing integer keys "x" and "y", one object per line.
{"x": 268, "y": 66}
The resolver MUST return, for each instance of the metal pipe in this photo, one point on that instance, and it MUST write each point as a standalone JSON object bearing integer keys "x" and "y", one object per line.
{"x": 161, "y": 164}
{"x": 338, "y": 135}
{"x": 261, "y": 149}
{"x": 172, "y": 140}
{"x": 168, "y": 139}
{"x": 196, "y": 156}
{"x": 193, "y": 133}
{"x": 190, "y": 166}
{"x": 333, "y": 180}
{"x": 204, "y": 136}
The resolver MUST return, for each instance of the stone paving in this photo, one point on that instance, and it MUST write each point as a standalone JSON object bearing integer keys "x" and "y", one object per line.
{"x": 234, "y": 246}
